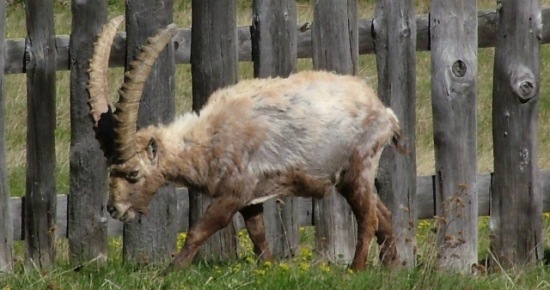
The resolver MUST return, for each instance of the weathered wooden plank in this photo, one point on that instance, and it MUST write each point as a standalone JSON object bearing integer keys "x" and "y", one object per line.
{"x": 87, "y": 218}
{"x": 214, "y": 63}
{"x": 6, "y": 231}
{"x": 274, "y": 52}
{"x": 274, "y": 49}
{"x": 182, "y": 42}
{"x": 454, "y": 72}
{"x": 425, "y": 208}
{"x": 516, "y": 188}
{"x": 335, "y": 48}
{"x": 395, "y": 47}
{"x": 151, "y": 239}
{"x": 40, "y": 179}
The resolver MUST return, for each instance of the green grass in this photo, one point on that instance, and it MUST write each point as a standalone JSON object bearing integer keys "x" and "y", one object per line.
{"x": 278, "y": 276}
{"x": 304, "y": 271}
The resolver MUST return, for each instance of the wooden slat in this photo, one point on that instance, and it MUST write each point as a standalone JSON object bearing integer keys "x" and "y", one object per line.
{"x": 335, "y": 48}
{"x": 40, "y": 179}
{"x": 151, "y": 239}
{"x": 274, "y": 48}
{"x": 15, "y": 48}
{"x": 516, "y": 189}
{"x": 87, "y": 219}
{"x": 454, "y": 72}
{"x": 274, "y": 52}
{"x": 214, "y": 34}
{"x": 6, "y": 231}
{"x": 395, "y": 46}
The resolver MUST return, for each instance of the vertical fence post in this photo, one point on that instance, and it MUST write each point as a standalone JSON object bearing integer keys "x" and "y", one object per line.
{"x": 152, "y": 238}
{"x": 274, "y": 53}
{"x": 87, "y": 218}
{"x": 454, "y": 72}
{"x": 6, "y": 231}
{"x": 394, "y": 31}
{"x": 40, "y": 197}
{"x": 335, "y": 48}
{"x": 274, "y": 36}
{"x": 516, "y": 202}
{"x": 214, "y": 65}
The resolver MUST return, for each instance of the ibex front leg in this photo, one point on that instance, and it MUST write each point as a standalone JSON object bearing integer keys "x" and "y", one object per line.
{"x": 216, "y": 217}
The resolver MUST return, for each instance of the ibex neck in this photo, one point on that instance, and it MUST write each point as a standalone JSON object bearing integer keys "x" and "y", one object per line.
{"x": 182, "y": 153}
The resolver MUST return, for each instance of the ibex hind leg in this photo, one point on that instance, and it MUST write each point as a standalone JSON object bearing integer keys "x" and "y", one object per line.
{"x": 254, "y": 221}
{"x": 384, "y": 235}
{"x": 356, "y": 186}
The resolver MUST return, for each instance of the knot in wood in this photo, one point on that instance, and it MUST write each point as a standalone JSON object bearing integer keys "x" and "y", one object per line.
{"x": 526, "y": 89}
{"x": 459, "y": 68}
{"x": 523, "y": 83}
{"x": 405, "y": 31}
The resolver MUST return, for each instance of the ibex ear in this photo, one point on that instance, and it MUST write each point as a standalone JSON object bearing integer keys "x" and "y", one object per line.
{"x": 152, "y": 150}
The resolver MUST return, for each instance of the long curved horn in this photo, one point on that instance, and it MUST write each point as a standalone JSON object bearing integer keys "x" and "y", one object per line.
{"x": 130, "y": 93}
{"x": 98, "y": 87}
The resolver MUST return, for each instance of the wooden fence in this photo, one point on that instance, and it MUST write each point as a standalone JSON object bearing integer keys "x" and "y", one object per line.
{"x": 455, "y": 194}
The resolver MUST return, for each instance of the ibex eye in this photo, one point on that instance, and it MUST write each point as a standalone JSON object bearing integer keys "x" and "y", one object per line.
{"x": 132, "y": 176}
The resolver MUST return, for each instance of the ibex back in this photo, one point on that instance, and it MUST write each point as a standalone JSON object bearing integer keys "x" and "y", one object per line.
{"x": 306, "y": 135}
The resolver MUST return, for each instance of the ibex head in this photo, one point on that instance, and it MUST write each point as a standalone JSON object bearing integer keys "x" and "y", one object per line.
{"x": 132, "y": 155}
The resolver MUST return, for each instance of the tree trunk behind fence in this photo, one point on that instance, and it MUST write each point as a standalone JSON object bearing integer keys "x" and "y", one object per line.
{"x": 40, "y": 207}
{"x": 152, "y": 238}
{"x": 275, "y": 54}
{"x": 213, "y": 65}
{"x": 335, "y": 48}
{"x": 87, "y": 218}
{"x": 454, "y": 72}
{"x": 394, "y": 32}
{"x": 516, "y": 204}
{"x": 6, "y": 230}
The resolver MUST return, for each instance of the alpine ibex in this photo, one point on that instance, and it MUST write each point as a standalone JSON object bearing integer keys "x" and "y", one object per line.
{"x": 306, "y": 135}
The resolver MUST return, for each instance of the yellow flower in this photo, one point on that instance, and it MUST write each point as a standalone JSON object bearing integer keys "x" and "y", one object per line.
{"x": 284, "y": 266}
{"x": 181, "y": 240}
{"x": 305, "y": 253}
{"x": 325, "y": 267}
{"x": 267, "y": 264}
{"x": 304, "y": 266}
{"x": 236, "y": 267}
{"x": 245, "y": 245}
{"x": 259, "y": 272}
{"x": 424, "y": 224}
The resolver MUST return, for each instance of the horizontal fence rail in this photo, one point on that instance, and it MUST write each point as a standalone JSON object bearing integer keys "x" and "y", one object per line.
{"x": 487, "y": 20}
{"x": 425, "y": 206}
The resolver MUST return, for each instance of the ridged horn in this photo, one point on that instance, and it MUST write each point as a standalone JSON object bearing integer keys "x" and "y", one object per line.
{"x": 98, "y": 85}
{"x": 98, "y": 88}
{"x": 130, "y": 93}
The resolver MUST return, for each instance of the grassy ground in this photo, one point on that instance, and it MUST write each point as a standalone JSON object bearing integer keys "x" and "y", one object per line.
{"x": 304, "y": 272}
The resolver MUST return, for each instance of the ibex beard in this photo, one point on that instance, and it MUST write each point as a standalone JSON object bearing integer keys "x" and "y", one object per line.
{"x": 311, "y": 134}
